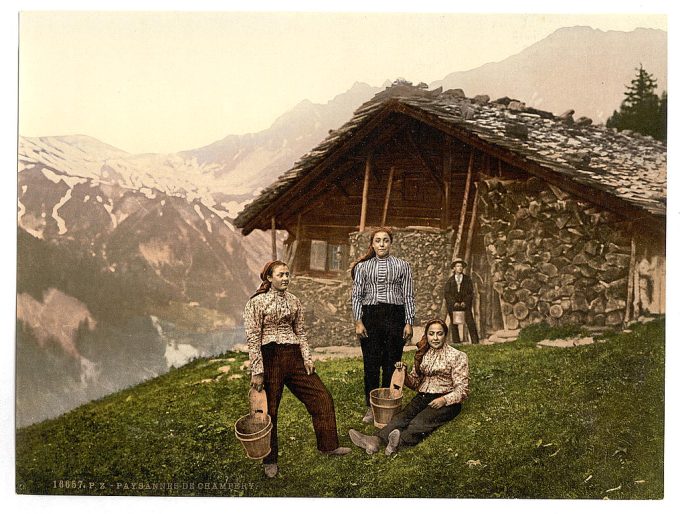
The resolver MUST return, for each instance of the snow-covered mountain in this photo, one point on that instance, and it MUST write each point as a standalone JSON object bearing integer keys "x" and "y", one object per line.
{"x": 129, "y": 264}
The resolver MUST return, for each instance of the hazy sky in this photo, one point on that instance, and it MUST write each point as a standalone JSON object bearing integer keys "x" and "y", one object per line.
{"x": 168, "y": 81}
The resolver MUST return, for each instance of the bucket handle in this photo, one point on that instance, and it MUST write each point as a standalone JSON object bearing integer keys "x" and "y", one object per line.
{"x": 258, "y": 402}
{"x": 398, "y": 378}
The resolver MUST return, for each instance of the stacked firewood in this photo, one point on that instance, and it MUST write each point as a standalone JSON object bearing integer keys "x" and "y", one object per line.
{"x": 552, "y": 257}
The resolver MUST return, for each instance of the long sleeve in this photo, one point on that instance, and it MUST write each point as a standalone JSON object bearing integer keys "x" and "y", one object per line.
{"x": 358, "y": 291}
{"x": 412, "y": 380}
{"x": 460, "y": 379}
{"x": 299, "y": 329}
{"x": 252, "y": 321}
{"x": 409, "y": 300}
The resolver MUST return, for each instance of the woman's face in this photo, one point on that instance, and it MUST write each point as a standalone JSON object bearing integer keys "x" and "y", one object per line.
{"x": 280, "y": 277}
{"x": 436, "y": 336}
{"x": 381, "y": 244}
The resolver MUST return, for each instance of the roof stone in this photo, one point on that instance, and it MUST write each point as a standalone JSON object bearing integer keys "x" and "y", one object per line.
{"x": 623, "y": 164}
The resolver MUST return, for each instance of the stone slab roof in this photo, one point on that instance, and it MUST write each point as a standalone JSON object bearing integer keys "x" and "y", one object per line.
{"x": 622, "y": 164}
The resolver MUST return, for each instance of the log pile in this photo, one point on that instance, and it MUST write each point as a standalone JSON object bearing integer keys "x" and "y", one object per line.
{"x": 551, "y": 256}
{"x": 426, "y": 249}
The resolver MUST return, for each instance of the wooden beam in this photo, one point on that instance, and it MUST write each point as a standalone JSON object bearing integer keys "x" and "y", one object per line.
{"x": 364, "y": 195}
{"x": 301, "y": 199}
{"x": 446, "y": 177}
{"x": 341, "y": 189}
{"x": 471, "y": 227}
{"x": 631, "y": 282}
{"x": 463, "y": 210}
{"x": 298, "y": 228}
{"x": 445, "y": 206}
{"x": 636, "y": 291}
{"x": 423, "y": 159}
{"x": 387, "y": 197}
{"x": 315, "y": 179}
{"x": 273, "y": 238}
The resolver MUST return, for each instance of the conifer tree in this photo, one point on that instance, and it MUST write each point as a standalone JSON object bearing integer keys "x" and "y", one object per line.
{"x": 641, "y": 111}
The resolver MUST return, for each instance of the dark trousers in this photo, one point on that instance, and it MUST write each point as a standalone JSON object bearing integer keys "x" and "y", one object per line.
{"x": 417, "y": 420}
{"x": 284, "y": 366}
{"x": 384, "y": 345}
{"x": 472, "y": 329}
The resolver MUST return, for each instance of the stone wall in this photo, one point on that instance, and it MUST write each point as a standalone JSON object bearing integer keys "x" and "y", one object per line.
{"x": 328, "y": 313}
{"x": 553, "y": 257}
{"x": 327, "y": 302}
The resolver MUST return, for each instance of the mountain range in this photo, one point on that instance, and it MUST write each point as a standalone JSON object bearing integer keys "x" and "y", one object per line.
{"x": 129, "y": 264}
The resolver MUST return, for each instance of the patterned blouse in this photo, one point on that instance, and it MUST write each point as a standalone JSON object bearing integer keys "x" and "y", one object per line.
{"x": 274, "y": 317}
{"x": 444, "y": 370}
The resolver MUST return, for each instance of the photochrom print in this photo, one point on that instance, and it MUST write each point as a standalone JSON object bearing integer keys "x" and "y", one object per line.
{"x": 341, "y": 254}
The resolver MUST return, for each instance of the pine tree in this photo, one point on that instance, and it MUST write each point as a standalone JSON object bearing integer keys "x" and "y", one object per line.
{"x": 641, "y": 111}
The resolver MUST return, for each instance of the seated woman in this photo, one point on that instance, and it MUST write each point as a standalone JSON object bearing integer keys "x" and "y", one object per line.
{"x": 440, "y": 376}
{"x": 279, "y": 355}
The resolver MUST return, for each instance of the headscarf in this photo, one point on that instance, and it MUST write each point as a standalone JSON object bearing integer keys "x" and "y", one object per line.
{"x": 422, "y": 346}
{"x": 371, "y": 251}
{"x": 267, "y": 272}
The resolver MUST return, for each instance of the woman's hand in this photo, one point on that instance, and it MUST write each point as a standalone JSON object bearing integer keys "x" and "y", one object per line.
{"x": 309, "y": 367}
{"x": 400, "y": 365}
{"x": 408, "y": 332}
{"x": 360, "y": 329}
{"x": 437, "y": 403}
{"x": 257, "y": 382}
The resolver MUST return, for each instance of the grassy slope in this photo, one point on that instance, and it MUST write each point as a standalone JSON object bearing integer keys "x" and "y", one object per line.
{"x": 584, "y": 422}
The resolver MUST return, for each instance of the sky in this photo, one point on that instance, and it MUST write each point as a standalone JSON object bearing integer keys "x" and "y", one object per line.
{"x": 166, "y": 81}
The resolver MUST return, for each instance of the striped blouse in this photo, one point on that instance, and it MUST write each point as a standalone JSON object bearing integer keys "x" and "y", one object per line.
{"x": 386, "y": 280}
{"x": 274, "y": 317}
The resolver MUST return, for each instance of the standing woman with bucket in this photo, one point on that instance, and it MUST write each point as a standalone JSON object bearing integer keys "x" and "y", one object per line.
{"x": 440, "y": 376}
{"x": 280, "y": 356}
{"x": 384, "y": 310}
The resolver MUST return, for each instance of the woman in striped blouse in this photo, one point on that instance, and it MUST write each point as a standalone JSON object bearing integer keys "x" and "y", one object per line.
{"x": 280, "y": 355}
{"x": 384, "y": 310}
{"x": 440, "y": 376}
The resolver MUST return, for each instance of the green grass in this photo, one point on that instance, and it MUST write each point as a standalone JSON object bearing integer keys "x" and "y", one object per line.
{"x": 583, "y": 422}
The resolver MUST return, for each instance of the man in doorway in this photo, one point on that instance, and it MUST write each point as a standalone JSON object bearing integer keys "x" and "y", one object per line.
{"x": 459, "y": 294}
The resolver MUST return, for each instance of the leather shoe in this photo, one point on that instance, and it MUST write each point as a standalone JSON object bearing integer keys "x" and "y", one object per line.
{"x": 339, "y": 451}
{"x": 368, "y": 417}
{"x": 271, "y": 470}
{"x": 370, "y": 443}
{"x": 392, "y": 441}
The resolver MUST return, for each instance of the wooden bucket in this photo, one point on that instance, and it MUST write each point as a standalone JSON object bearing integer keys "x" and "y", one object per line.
{"x": 386, "y": 401}
{"x": 458, "y": 318}
{"x": 254, "y": 429}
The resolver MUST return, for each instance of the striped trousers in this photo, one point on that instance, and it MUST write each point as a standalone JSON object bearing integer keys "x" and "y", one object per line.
{"x": 284, "y": 366}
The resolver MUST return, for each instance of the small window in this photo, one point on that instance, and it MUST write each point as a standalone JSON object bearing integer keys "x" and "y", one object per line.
{"x": 336, "y": 257}
{"x": 325, "y": 256}
{"x": 317, "y": 255}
